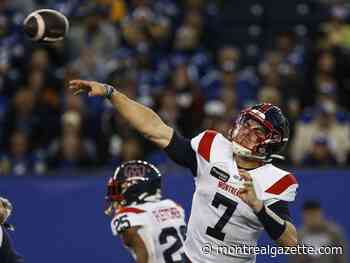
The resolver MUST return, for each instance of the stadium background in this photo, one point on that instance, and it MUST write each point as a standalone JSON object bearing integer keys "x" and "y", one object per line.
{"x": 197, "y": 63}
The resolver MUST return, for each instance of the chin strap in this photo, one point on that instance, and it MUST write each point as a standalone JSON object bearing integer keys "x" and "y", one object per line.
{"x": 244, "y": 152}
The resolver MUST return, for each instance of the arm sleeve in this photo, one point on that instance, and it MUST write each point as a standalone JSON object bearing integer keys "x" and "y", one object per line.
{"x": 181, "y": 152}
{"x": 281, "y": 209}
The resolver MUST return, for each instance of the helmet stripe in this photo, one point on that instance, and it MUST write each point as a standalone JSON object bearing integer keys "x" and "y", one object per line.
{"x": 265, "y": 107}
{"x": 130, "y": 210}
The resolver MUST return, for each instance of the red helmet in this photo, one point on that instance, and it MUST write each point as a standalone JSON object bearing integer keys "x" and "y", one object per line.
{"x": 260, "y": 132}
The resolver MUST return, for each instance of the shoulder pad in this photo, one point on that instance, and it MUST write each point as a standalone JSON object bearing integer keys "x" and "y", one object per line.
{"x": 210, "y": 144}
{"x": 271, "y": 182}
{"x": 202, "y": 143}
{"x": 127, "y": 217}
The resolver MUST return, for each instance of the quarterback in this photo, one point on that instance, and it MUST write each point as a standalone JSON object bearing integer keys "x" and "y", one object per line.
{"x": 239, "y": 193}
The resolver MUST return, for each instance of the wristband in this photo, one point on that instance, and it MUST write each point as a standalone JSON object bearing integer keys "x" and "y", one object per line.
{"x": 109, "y": 91}
{"x": 273, "y": 224}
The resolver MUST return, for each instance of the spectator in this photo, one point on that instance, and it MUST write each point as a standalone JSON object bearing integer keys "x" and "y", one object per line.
{"x": 98, "y": 36}
{"x": 131, "y": 150}
{"x": 271, "y": 95}
{"x": 39, "y": 60}
{"x": 337, "y": 30}
{"x": 188, "y": 99}
{"x": 323, "y": 125}
{"x": 325, "y": 74}
{"x": 215, "y": 117}
{"x": 71, "y": 151}
{"x": 291, "y": 53}
{"x": 90, "y": 65}
{"x": 318, "y": 232}
{"x": 168, "y": 108}
{"x": 278, "y": 74}
{"x": 329, "y": 120}
{"x": 118, "y": 9}
{"x": 320, "y": 154}
{"x": 229, "y": 79}
{"x": 19, "y": 160}
{"x": 21, "y": 116}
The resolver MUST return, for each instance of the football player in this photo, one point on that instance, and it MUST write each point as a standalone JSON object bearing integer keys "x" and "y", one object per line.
{"x": 153, "y": 229}
{"x": 237, "y": 188}
{"x": 7, "y": 253}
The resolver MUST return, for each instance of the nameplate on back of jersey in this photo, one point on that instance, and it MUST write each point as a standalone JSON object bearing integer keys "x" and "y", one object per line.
{"x": 219, "y": 174}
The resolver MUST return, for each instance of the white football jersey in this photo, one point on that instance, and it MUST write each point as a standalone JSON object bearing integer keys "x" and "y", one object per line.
{"x": 219, "y": 216}
{"x": 162, "y": 228}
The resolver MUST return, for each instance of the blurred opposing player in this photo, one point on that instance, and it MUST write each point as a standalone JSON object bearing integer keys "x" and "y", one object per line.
{"x": 7, "y": 253}
{"x": 152, "y": 229}
{"x": 238, "y": 192}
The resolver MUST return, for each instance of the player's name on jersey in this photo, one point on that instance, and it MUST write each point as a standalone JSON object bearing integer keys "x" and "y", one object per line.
{"x": 164, "y": 214}
{"x": 228, "y": 188}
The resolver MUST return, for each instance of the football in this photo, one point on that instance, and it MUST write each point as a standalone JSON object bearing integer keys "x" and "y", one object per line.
{"x": 46, "y": 25}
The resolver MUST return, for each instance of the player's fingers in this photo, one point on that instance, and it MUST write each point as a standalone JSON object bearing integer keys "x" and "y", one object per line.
{"x": 78, "y": 83}
{"x": 245, "y": 175}
{"x": 91, "y": 94}
{"x": 74, "y": 83}
{"x": 78, "y": 91}
{"x": 248, "y": 184}
{"x": 242, "y": 192}
{"x": 74, "y": 87}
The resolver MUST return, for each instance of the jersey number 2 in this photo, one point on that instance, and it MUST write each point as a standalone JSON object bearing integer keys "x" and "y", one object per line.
{"x": 231, "y": 205}
{"x": 163, "y": 239}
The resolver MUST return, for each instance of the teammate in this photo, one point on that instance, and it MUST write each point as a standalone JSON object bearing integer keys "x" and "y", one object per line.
{"x": 239, "y": 193}
{"x": 7, "y": 253}
{"x": 151, "y": 228}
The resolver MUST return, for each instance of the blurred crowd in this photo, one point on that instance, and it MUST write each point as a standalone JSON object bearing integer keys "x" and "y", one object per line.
{"x": 176, "y": 57}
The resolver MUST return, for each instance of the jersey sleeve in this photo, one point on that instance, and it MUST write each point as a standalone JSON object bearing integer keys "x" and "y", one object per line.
{"x": 277, "y": 185}
{"x": 202, "y": 144}
{"x": 126, "y": 218}
{"x": 284, "y": 189}
{"x": 181, "y": 152}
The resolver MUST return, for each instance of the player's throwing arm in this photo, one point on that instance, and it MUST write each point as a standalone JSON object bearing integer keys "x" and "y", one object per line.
{"x": 143, "y": 119}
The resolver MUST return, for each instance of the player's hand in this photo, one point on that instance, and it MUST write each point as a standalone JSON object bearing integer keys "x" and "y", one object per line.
{"x": 93, "y": 88}
{"x": 247, "y": 193}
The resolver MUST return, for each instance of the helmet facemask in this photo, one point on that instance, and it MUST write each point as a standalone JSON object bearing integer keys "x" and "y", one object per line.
{"x": 116, "y": 190}
{"x": 252, "y": 135}
{"x": 114, "y": 198}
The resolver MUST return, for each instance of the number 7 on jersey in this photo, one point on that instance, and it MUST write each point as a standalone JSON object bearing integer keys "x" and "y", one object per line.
{"x": 216, "y": 231}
